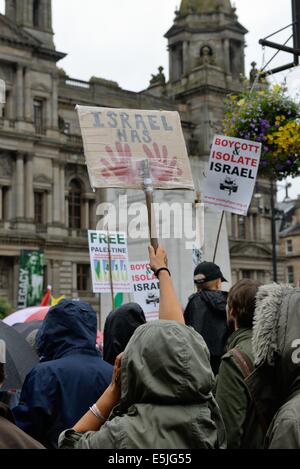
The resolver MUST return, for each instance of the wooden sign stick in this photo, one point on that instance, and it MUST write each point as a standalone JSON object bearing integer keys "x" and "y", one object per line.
{"x": 110, "y": 274}
{"x": 148, "y": 189}
{"x": 218, "y": 236}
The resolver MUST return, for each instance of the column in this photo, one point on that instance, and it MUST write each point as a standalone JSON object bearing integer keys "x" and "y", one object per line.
{"x": 171, "y": 72}
{"x": 74, "y": 277}
{"x": 56, "y": 193}
{"x": 27, "y": 15}
{"x": 234, "y": 276}
{"x": 92, "y": 210}
{"x": 48, "y": 114}
{"x": 9, "y": 204}
{"x": 54, "y": 103}
{"x": 28, "y": 97}
{"x": 233, "y": 226}
{"x": 258, "y": 226}
{"x": 62, "y": 194}
{"x": 45, "y": 16}
{"x": 49, "y": 208}
{"x": 15, "y": 286}
{"x": 67, "y": 211}
{"x": 227, "y": 56}
{"x": 20, "y": 93}
{"x": 10, "y": 105}
{"x": 49, "y": 16}
{"x": 49, "y": 272}
{"x": 229, "y": 222}
{"x": 86, "y": 214}
{"x": 236, "y": 227}
{"x": 251, "y": 227}
{"x": 56, "y": 277}
{"x": 20, "y": 185}
{"x": 29, "y": 206}
{"x": 185, "y": 57}
{"x": 1, "y": 208}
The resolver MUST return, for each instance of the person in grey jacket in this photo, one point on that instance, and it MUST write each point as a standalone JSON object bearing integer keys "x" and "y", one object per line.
{"x": 275, "y": 384}
{"x": 161, "y": 392}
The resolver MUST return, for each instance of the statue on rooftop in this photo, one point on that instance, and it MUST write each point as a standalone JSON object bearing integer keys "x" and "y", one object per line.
{"x": 158, "y": 79}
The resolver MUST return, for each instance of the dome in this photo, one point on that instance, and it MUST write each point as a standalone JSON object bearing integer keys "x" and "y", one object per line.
{"x": 205, "y": 6}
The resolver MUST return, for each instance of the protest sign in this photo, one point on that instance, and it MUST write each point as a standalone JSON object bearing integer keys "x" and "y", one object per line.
{"x": 109, "y": 261}
{"x": 31, "y": 278}
{"x": 145, "y": 288}
{"x": 232, "y": 173}
{"x": 117, "y": 141}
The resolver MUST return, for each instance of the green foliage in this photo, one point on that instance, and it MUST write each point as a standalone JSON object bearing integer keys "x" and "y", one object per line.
{"x": 271, "y": 117}
{"x": 5, "y": 308}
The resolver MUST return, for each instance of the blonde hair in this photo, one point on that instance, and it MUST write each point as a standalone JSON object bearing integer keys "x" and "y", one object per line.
{"x": 210, "y": 285}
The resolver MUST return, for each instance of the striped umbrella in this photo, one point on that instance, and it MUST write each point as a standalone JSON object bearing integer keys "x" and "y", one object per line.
{"x": 27, "y": 314}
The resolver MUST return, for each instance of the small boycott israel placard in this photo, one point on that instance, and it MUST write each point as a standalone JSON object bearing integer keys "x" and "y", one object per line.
{"x": 109, "y": 255}
{"x": 118, "y": 141}
{"x": 145, "y": 288}
{"x": 232, "y": 172}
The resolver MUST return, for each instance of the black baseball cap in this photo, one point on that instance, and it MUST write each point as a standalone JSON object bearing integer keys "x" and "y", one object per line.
{"x": 207, "y": 271}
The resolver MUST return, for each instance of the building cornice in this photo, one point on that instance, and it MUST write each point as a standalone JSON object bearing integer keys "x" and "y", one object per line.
{"x": 235, "y": 27}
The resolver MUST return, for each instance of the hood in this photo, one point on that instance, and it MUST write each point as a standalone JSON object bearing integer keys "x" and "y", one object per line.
{"x": 276, "y": 336}
{"x": 119, "y": 327}
{"x": 68, "y": 326}
{"x": 165, "y": 363}
{"x": 216, "y": 300}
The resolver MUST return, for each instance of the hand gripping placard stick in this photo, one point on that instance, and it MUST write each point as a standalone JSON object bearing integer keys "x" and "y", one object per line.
{"x": 148, "y": 189}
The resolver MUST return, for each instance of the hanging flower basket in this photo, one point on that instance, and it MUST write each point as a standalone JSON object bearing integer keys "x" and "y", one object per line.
{"x": 271, "y": 117}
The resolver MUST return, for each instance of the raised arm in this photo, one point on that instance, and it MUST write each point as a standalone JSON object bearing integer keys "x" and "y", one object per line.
{"x": 109, "y": 399}
{"x": 169, "y": 306}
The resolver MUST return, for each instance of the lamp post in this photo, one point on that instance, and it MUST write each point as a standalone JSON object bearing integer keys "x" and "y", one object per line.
{"x": 273, "y": 232}
{"x": 273, "y": 218}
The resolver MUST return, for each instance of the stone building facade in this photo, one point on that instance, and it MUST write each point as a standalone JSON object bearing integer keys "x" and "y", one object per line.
{"x": 45, "y": 197}
{"x": 289, "y": 241}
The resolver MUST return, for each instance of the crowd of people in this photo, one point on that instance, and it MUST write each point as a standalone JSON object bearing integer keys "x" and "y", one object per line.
{"x": 224, "y": 373}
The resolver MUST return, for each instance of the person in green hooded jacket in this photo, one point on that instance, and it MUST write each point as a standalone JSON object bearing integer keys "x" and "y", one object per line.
{"x": 241, "y": 421}
{"x": 161, "y": 392}
{"x": 275, "y": 383}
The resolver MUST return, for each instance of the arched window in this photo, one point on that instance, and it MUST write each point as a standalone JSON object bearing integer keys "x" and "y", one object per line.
{"x": 75, "y": 202}
{"x": 177, "y": 61}
{"x": 37, "y": 14}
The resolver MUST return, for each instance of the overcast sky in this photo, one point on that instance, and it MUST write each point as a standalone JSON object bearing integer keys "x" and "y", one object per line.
{"x": 122, "y": 40}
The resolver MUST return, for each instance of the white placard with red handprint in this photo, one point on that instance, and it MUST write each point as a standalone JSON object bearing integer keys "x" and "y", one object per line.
{"x": 117, "y": 141}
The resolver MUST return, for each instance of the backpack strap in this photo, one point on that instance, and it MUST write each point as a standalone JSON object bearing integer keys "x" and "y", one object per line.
{"x": 246, "y": 366}
{"x": 243, "y": 361}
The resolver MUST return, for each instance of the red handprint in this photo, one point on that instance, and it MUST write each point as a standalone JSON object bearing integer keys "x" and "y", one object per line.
{"x": 162, "y": 167}
{"x": 120, "y": 165}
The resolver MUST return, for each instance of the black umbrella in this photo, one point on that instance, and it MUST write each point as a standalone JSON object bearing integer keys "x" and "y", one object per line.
{"x": 20, "y": 357}
{"x": 24, "y": 328}
{"x": 28, "y": 330}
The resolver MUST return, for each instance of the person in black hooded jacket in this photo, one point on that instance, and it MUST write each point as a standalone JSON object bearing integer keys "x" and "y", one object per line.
{"x": 119, "y": 326}
{"x": 206, "y": 310}
{"x": 70, "y": 376}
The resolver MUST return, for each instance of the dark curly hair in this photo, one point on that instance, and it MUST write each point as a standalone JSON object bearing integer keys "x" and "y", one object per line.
{"x": 241, "y": 300}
